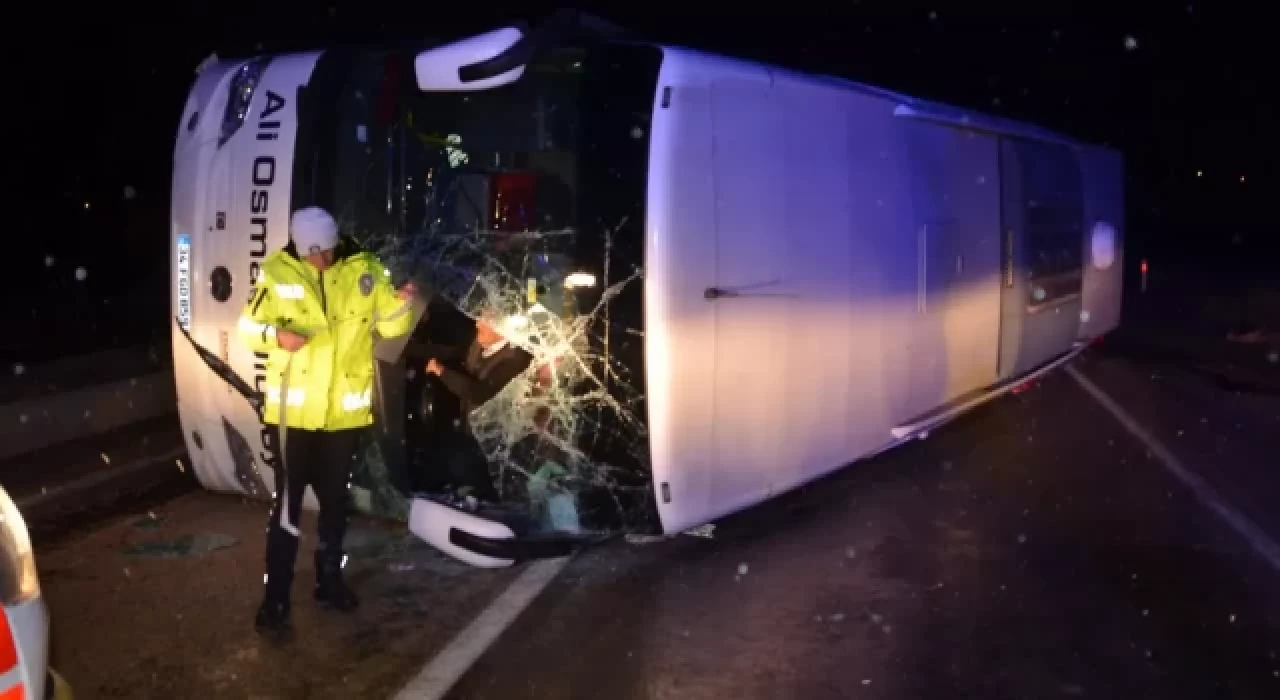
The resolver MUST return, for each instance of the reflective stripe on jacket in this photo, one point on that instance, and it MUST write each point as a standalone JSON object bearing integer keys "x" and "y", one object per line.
{"x": 330, "y": 382}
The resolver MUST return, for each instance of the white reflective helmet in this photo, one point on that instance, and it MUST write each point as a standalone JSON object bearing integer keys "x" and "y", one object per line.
{"x": 313, "y": 230}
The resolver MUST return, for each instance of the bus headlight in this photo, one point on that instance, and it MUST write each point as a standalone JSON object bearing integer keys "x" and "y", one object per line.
{"x": 239, "y": 95}
{"x": 19, "y": 581}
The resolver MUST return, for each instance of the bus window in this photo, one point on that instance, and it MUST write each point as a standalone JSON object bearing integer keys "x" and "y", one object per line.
{"x": 508, "y": 199}
{"x": 1053, "y": 219}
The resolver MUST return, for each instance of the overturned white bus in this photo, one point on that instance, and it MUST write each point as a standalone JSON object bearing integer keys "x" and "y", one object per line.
{"x": 734, "y": 278}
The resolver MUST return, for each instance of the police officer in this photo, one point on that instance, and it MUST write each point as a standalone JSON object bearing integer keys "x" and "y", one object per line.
{"x": 314, "y": 310}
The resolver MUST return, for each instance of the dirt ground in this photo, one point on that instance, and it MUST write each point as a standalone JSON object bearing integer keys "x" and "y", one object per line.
{"x": 139, "y": 611}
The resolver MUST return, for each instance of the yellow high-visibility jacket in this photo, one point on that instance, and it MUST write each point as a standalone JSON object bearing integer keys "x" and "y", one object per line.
{"x": 328, "y": 384}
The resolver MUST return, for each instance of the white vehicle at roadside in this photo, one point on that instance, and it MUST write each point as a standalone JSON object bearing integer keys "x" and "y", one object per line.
{"x": 24, "y": 627}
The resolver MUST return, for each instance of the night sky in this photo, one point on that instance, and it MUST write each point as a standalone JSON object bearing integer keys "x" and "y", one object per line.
{"x": 1179, "y": 87}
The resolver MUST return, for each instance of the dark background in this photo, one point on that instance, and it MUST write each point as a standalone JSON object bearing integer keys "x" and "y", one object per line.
{"x": 1181, "y": 88}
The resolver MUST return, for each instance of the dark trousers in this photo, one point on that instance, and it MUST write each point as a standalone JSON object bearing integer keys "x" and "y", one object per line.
{"x": 466, "y": 465}
{"x": 324, "y": 461}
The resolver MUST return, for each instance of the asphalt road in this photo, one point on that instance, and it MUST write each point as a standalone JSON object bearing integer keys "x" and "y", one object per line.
{"x": 1033, "y": 549}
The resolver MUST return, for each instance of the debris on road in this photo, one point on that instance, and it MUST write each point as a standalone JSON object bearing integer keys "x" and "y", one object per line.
{"x": 707, "y": 531}
{"x": 185, "y": 546}
{"x": 150, "y": 521}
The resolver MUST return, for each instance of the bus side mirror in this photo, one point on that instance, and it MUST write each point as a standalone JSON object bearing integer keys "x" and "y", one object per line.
{"x": 440, "y": 69}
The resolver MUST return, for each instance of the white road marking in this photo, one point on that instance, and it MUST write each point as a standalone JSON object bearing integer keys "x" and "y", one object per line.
{"x": 442, "y": 672}
{"x": 99, "y": 478}
{"x": 1246, "y": 528}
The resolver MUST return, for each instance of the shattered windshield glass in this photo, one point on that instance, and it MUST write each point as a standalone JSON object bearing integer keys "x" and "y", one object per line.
{"x": 526, "y": 200}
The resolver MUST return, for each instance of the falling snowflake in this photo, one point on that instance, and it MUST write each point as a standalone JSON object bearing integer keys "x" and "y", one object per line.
{"x": 130, "y": 192}
{"x": 742, "y": 569}
{"x": 19, "y": 369}
{"x": 48, "y": 261}
{"x": 933, "y": 15}
{"x": 81, "y": 274}
{"x": 1130, "y": 43}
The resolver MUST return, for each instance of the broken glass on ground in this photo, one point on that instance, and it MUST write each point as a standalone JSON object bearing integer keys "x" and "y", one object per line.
{"x": 150, "y": 521}
{"x": 194, "y": 545}
{"x": 399, "y": 551}
{"x": 708, "y": 531}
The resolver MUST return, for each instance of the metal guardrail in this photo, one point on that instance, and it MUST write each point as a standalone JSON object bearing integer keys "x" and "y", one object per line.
{"x": 35, "y": 420}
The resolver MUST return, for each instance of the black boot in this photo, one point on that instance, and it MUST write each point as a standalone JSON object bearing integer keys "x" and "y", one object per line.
{"x": 331, "y": 590}
{"x": 272, "y": 619}
{"x": 273, "y": 615}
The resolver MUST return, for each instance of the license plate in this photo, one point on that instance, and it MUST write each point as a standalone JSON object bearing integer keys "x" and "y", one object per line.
{"x": 184, "y": 282}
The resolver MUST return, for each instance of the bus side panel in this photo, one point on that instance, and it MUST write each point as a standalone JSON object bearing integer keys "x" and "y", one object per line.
{"x": 757, "y": 290}
{"x": 849, "y": 271}
{"x": 679, "y": 263}
{"x": 1104, "y": 202}
{"x": 881, "y": 311}
{"x": 956, "y": 206}
{"x": 800, "y": 365}
{"x": 823, "y": 352}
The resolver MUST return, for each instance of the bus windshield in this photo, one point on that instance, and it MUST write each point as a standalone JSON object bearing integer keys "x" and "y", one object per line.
{"x": 526, "y": 200}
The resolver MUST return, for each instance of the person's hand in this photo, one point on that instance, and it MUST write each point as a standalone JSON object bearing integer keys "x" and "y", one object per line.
{"x": 433, "y": 367}
{"x": 407, "y": 291}
{"x": 290, "y": 341}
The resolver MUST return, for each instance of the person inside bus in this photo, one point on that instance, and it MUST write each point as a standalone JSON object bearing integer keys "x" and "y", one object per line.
{"x": 471, "y": 378}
